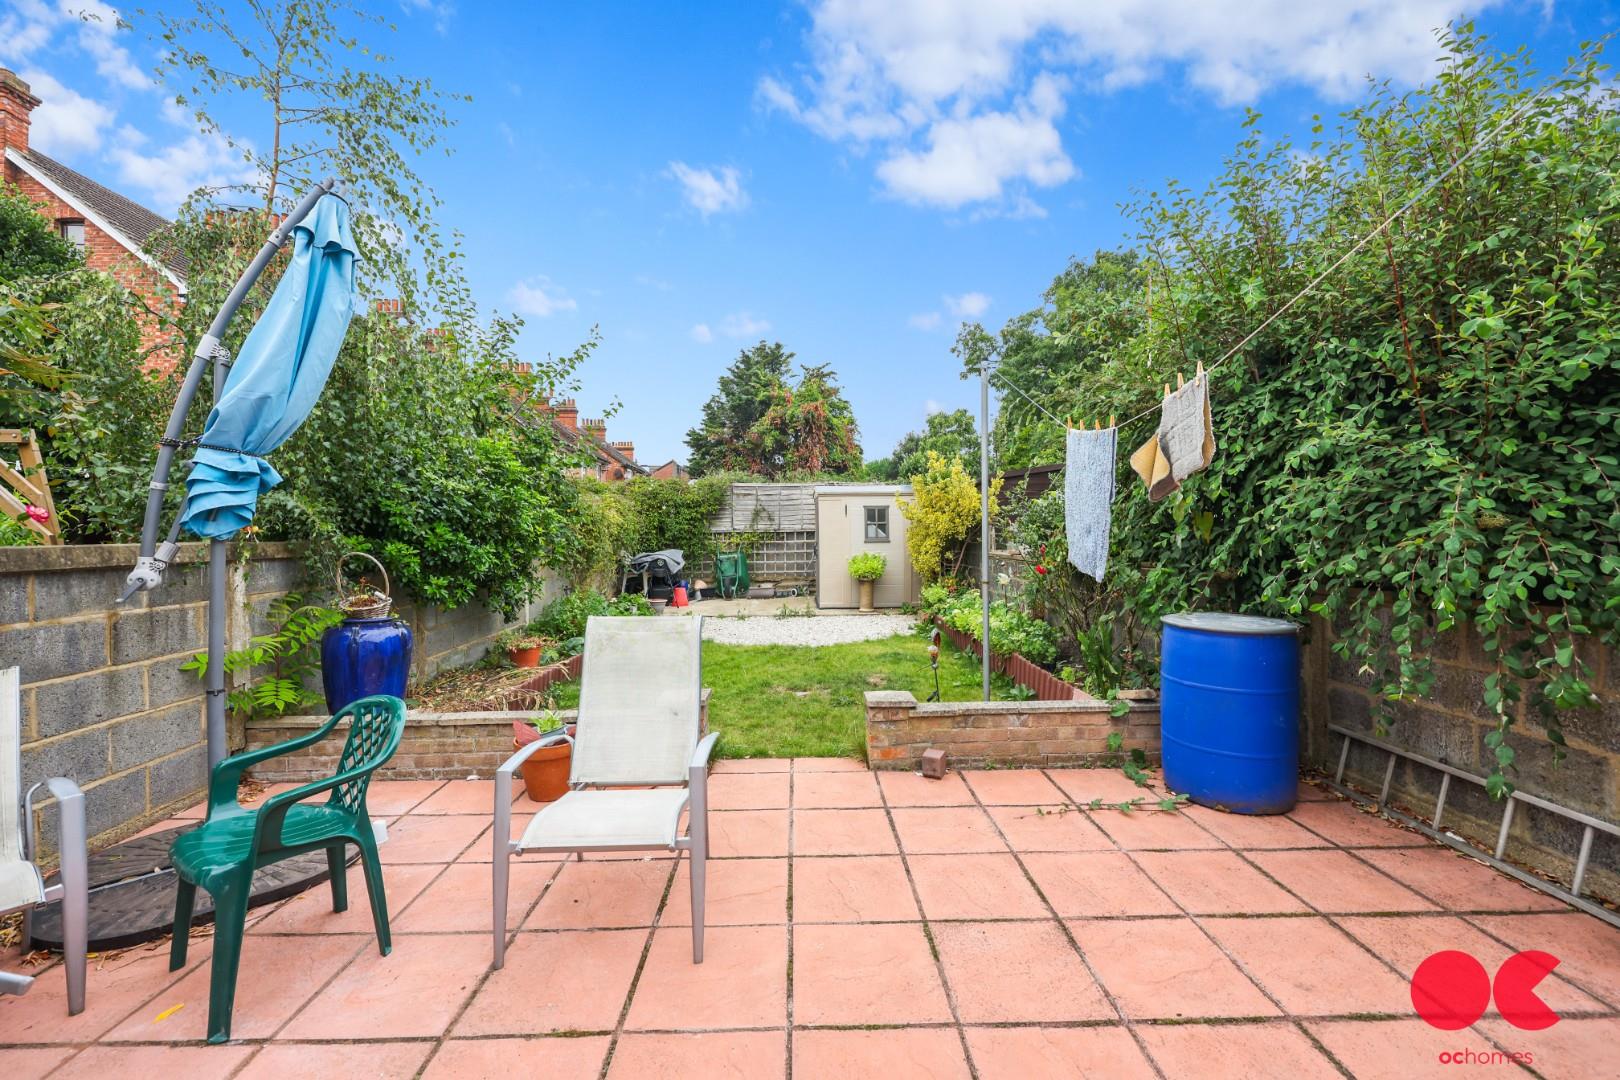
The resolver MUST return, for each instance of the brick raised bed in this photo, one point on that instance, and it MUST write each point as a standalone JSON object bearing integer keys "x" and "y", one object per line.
{"x": 1022, "y": 733}
{"x": 1024, "y": 672}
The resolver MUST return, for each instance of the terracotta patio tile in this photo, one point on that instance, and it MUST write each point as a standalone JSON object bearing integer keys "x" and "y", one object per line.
{"x": 166, "y": 824}
{"x": 553, "y": 1058}
{"x": 277, "y": 1061}
{"x": 191, "y": 1062}
{"x": 1589, "y": 949}
{"x": 939, "y": 830}
{"x": 742, "y": 981}
{"x": 915, "y": 789}
{"x": 738, "y": 892}
{"x": 867, "y": 888}
{"x": 602, "y": 894}
{"x": 1313, "y": 968}
{"x": 859, "y": 1055}
{"x": 1236, "y": 1051}
{"x": 1317, "y": 792}
{"x": 842, "y": 832}
{"x": 430, "y": 838}
{"x": 574, "y": 980}
{"x": 310, "y": 912}
{"x": 753, "y": 765}
{"x": 1336, "y": 882}
{"x": 391, "y": 798}
{"x": 827, "y": 764}
{"x": 1407, "y": 940}
{"x": 21, "y": 1062}
{"x": 1012, "y": 787}
{"x": 1458, "y": 883}
{"x": 415, "y": 991}
{"x": 465, "y": 797}
{"x": 865, "y": 974}
{"x": 1216, "y": 883}
{"x": 1167, "y": 969}
{"x": 744, "y": 1055}
{"x": 461, "y": 898}
{"x": 974, "y": 887}
{"x": 1057, "y": 1053}
{"x": 748, "y": 791}
{"x": 1250, "y": 832}
{"x": 1049, "y": 828}
{"x": 1401, "y": 1049}
{"x": 1569, "y": 1050}
{"x": 1343, "y": 824}
{"x": 114, "y": 988}
{"x": 824, "y": 790}
{"x": 1017, "y": 972}
{"x": 1096, "y": 883}
{"x": 1153, "y": 830}
{"x": 1110, "y": 785}
{"x": 277, "y": 975}
{"x": 747, "y": 833}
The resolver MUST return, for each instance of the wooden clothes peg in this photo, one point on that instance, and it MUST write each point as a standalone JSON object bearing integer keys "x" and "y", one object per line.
{"x": 1179, "y": 382}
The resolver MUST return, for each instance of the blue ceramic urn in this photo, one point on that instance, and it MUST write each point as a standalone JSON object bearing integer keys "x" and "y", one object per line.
{"x": 360, "y": 657}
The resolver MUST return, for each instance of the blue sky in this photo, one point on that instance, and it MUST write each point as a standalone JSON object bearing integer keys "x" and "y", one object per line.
{"x": 852, "y": 179}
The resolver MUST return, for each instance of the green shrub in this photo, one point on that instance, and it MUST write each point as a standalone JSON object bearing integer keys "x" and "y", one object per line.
{"x": 867, "y": 566}
{"x": 1011, "y": 631}
{"x": 564, "y": 618}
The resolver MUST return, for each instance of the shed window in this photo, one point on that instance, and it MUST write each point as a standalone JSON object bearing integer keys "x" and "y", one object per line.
{"x": 877, "y": 524}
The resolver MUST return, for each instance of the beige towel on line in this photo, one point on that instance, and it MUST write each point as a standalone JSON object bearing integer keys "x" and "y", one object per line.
{"x": 1184, "y": 443}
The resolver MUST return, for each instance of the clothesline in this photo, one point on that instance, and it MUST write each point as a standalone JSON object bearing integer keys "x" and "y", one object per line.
{"x": 1478, "y": 145}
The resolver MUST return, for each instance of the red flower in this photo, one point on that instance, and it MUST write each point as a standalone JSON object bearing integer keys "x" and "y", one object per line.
{"x": 1039, "y": 569}
{"x": 39, "y": 514}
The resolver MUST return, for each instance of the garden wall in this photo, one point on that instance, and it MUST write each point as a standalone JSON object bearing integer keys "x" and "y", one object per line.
{"x": 104, "y": 700}
{"x": 1032, "y": 734}
{"x": 1450, "y": 726}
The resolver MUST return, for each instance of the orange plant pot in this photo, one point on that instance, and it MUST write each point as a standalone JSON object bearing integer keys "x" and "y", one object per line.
{"x": 524, "y": 657}
{"x": 545, "y": 772}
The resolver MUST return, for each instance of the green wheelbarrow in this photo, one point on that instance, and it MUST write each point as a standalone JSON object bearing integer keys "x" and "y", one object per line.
{"x": 731, "y": 574}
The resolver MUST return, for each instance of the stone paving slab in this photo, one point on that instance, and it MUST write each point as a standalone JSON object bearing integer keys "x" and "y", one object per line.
{"x": 988, "y": 926}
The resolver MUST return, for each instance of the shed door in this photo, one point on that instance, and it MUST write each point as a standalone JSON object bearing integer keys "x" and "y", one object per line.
{"x": 834, "y": 587}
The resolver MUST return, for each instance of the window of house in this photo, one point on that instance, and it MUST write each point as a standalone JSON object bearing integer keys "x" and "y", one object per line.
{"x": 877, "y": 524}
{"x": 72, "y": 232}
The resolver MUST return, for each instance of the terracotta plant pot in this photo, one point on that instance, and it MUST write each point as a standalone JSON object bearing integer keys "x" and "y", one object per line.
{"x": 866, "y": 596}
{"x": 545, "y": 773}
{"x": 524, "y": 657}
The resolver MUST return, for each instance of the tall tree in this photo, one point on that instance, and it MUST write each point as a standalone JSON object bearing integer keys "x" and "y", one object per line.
{"x": 760, "y": 422}
{"x": 950, "y": 434}
{"x": 721, "y": 441}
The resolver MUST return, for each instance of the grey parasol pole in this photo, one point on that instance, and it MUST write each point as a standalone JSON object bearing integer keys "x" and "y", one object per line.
{"x": 155, "y": 559}
{"x": 984, "y": 522}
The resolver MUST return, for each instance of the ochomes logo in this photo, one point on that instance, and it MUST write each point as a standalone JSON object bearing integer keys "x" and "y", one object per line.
{"x": 1451, "y": 990}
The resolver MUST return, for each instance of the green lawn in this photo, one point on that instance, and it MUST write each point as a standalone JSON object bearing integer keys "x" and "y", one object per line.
{"x": 799, "y": 701}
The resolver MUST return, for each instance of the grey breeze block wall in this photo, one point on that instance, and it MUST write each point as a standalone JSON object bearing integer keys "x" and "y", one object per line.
{"x": 104, "y": 700}
{"x": 1450, "y": 725}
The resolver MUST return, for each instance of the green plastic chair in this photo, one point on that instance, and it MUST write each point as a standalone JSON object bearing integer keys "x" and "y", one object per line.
{"x": 232, "y": 842}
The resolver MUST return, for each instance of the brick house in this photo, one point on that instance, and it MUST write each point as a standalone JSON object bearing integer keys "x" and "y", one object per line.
{"x": 613, "y": 460}
{"x": 109, "y": 228}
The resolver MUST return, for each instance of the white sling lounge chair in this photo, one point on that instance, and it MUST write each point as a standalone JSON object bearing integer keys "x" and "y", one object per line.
{"x": 639, "y": 710}
{"x": 20, "y": 883}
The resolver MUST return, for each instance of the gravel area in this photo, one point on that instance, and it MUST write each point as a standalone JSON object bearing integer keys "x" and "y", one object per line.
{"x": 815, "y": 630}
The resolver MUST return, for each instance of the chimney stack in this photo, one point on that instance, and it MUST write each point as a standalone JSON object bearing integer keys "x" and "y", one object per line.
{"x": 628, "y": 449}
{"x": 394, "y": 307}
{"x": 568, "y": 414}
{"x": 596, "y": 429}
{"x": 16, "y": 103}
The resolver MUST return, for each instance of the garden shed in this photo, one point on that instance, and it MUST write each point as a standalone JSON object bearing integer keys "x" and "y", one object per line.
{"x": 855, "y": 518}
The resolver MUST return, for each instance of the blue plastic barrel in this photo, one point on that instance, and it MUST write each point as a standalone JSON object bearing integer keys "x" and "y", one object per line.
{"x": 1229, "y": 710}
{"x": 361, "y": 657}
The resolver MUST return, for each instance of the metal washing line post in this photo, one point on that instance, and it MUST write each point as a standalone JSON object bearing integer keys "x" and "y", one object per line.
{"x": 155, "y": 559}
{"x": 984, "y": 525}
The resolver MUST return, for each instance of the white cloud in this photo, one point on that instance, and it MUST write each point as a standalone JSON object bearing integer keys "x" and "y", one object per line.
{"x": 931, "y": 407}
{"x": 702, "y": 334}
{"x": 710, "y": 191}
{"x": 98, "y": 35}
{"x": 961, "y": 99}
{"x": 969, "y": 305}
{"x": 170, "y": 173}
{"x": 741, "y": 324}
{"x": 441, "y": 12}
{"x": 538, "y": 297}
{"x": 24, "y": 30}
{"x": 66, "y": 122}
{"x": 927, "y": 320}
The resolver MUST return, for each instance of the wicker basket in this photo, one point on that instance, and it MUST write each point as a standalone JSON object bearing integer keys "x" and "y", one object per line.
{"x": 372, "y": 605}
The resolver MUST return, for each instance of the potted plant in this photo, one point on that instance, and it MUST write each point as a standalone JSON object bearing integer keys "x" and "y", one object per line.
{"x": 522, "y": 647}
{"x": 545, "y": 773}
{"x": 867, "y": 568}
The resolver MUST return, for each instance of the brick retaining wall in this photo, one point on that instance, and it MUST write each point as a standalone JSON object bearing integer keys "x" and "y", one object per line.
{"x": 1450, "y": 725}
{"x": 1021, "y": 733}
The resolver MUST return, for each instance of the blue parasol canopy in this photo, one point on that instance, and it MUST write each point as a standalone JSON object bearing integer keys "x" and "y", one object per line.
{"x": 278, "y": 374}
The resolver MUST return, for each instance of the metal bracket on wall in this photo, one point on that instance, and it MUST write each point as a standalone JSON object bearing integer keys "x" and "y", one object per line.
{"x": 1590, "y": 825}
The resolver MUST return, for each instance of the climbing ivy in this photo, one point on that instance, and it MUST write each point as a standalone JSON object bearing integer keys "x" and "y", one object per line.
{"x": 1426, "y": 443}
